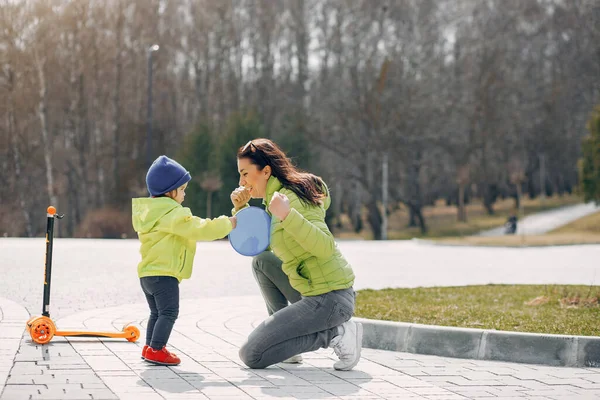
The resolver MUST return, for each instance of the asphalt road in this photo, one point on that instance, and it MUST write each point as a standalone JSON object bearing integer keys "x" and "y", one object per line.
{"x": 93, "y": 273}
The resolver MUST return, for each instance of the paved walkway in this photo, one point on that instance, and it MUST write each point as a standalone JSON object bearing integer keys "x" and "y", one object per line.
{"x": 12, "y": 316}
{"x": 207, "y": 337}
{"x": 545, "y": 221}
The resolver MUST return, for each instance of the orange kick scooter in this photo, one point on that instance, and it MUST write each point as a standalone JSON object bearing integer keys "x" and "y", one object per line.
{"x": 42, "y": 329}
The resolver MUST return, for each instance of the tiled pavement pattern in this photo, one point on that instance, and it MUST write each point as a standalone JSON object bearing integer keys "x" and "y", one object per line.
{"x": 207, "y": 337}
{"x": 12, "y": 317}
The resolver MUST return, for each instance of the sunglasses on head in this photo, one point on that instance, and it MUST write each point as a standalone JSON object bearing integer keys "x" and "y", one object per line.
{"x": 249, "y": 144}
{"x": 257, "y": 151}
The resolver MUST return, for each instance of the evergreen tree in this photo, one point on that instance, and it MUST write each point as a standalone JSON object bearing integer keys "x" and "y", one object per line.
{"x": 590, "y": 163}
{"x": 239, "y": 130}
{"x": 200, "y": 158}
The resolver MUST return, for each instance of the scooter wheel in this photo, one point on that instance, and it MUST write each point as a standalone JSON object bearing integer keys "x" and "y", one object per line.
{"x": 133, "y": 333}
{"x": 29, "y": 321}
{"x": 42, "y": 330}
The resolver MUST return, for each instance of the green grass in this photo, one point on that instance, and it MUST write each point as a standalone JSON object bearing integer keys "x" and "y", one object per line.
{"x": 565, "y": 309}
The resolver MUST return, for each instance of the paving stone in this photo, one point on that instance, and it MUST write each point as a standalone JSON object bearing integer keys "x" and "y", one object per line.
{"x": 18, "y": 392}
{"x": 570, "y": 397}
{"x": 28, "y": 368}
{"x": 344, "y": 389}
{"x": 50, "y": 379}
{"x": 429, "y": 391}
{"x": 105, "y": 363}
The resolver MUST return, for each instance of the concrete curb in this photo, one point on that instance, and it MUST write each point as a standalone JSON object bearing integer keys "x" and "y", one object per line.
{"x": 480, "y": 344}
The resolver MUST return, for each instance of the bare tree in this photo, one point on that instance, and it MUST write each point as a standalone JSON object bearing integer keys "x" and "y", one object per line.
{"x": 40, "y": 58}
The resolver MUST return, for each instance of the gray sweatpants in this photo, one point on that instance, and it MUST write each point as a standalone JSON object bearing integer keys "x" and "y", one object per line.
{"x": 273, "y": 282}
{"x": 308, "y": 324}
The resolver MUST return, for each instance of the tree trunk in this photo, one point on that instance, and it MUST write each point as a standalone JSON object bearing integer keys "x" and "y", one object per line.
{"x": 83, "y": 141}
{"x": 462, "y": 210}
{"x": 116, "y": 100}
{"x": 416, "y": 211}
{"x": 12, "y": 133}
{"x": 204, "y": 95}
{"x": 299, "y": 18}
{"x": 530, "y": 184}
{"x": 336, "y": 206}
{"x": 489, "y": 198}
{"x": 462, "y": 180}
{"x": 208, "y": 204}
{"x": 412, "y": 218}
{"x": 355, "y": 210}
{"x": 77, "y": 137}
{"x": 43, "y": 116}
{"x": 374, "y": 218}
{"x": 415, "y": 202}
{"x": 97, "y": 143}
{"x": 20, "y": 184}
{"x": 72, "y": 198}
{"x": 519, "y": 199}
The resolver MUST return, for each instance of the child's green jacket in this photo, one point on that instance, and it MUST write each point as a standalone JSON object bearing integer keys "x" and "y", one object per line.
{"x": 168, "y": 233}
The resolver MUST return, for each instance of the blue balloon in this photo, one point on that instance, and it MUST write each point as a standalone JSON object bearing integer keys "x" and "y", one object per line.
{"x": 252, "y": 233}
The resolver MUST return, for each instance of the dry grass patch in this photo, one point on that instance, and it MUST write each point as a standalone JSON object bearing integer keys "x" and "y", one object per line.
{"x": 555, "y": 239}
{"x": 585, "y": 230}
{"x": 441, "y": 219}
{"x": 589, "y": 224}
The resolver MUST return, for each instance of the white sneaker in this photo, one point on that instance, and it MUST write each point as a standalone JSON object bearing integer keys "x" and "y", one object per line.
{"x": 297, "y": 359}
{"x": 348, "y": 345}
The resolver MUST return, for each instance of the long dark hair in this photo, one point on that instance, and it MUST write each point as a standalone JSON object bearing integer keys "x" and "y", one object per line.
{"x": 262, "y": 152}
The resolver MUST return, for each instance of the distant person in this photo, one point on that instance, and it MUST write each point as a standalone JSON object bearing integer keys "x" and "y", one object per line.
{"x": 511, "y": 223}
{"x": 305, "y": 266}
{"x": 168, "y": 233}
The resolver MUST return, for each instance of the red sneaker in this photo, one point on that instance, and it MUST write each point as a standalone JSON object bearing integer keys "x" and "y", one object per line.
{"x": 161, "y": 357}
{"x": 144, "y": 350}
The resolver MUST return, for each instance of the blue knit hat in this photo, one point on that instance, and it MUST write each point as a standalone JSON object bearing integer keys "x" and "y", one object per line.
{"x": 165, "y": 175}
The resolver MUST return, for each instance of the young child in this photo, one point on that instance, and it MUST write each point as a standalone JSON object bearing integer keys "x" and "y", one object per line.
{"x": 168, "y": 233}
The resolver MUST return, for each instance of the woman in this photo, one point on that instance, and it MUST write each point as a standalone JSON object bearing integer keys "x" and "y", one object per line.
{"x": 310, "y": 259}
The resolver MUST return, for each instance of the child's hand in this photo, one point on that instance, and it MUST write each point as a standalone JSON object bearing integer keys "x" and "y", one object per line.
{"x": 233, "y": 221}
{"x": 279, "y": 206}
{"x": 239, "y": 197}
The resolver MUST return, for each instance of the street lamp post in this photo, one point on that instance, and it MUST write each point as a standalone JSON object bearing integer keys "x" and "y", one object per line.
{"x": 151, "y": 50}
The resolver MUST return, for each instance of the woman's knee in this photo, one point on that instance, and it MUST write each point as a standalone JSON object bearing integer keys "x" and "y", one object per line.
{"x": 256, "y": 262}
{"x": 251, "y": 356}
{"x": 266, "y": 261}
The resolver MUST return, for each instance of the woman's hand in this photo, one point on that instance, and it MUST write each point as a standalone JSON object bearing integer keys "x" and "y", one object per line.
{"x": 279, "y": 206}
{"x": 239, "y": 197}
{"x": 233, "y": 221}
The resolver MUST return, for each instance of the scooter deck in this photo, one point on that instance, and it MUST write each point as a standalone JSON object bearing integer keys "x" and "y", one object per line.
{"x": 117, "y": 335}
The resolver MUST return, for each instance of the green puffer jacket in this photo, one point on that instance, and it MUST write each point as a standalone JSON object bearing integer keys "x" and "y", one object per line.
{"x": 168, "y": 233}
{"x": 303, "y": 242}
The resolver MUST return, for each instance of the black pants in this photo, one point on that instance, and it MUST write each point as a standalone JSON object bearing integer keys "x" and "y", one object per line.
{"x": 162, "y": 294}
